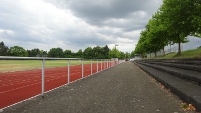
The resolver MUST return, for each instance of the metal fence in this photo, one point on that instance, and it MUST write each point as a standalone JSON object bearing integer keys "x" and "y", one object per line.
{"x": 69, "y": 72}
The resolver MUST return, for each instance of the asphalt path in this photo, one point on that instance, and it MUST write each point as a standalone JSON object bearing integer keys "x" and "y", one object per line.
{"x": 121, "y": 89}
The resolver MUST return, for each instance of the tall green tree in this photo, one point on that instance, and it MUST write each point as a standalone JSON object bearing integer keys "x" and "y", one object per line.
{"x": 18, "y": 51}
{"x": 88, "y": 53}
{"x": 43, "y": 53}
{"x": 133, "y": 54}
{"x": 98, "y": 52}
{"x": 34, "y": 52}
{"x": 142, "y": 46}
{"x": 3, "y": 49}
{"x": 106, "y": 51}
{"x": 122, "y": 55}
{"x": 79, "y": 54}
{"x": 114, "y": 53}
{"x": 68, "y": 54}
{"x": 172, "y": 23}
{"x": 56, "y": 52}
{"x": 195, "y": 18}
{"x": 179, "y": 17}
{"x": 127, "y": 55}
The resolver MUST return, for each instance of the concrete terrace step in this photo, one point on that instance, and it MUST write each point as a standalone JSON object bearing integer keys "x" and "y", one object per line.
{"x": 186, "y": 90}
{"x": 182, "y": 73}
{"x": 177, "y": 61}
{"x": 182, "y": 66}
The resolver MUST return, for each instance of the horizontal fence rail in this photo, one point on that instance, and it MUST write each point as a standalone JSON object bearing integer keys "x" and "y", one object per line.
{"x": 29, "y": 83}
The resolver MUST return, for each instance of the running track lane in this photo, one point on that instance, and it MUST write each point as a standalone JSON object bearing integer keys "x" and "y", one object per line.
{"x": 21, "y": 85}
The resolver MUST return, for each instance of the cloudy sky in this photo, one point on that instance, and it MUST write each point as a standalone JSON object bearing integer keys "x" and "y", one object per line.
{"x": 74, "y": 24}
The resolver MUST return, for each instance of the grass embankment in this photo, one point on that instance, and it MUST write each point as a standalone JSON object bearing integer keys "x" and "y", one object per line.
{"x": 21, "y": 65}
{"x": 196, "y": 53}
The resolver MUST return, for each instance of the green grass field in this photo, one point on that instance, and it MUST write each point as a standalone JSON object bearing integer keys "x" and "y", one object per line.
{"x": 21, "y": 65}
{"x": 196, "y": 53}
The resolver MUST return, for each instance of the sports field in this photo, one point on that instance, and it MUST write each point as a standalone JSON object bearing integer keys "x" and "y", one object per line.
{"x": 22, "y": 65}
{"x": 20, "y": 80}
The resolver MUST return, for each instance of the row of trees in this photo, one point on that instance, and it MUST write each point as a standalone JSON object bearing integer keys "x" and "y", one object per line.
{"x": 89, "y": 53}
{"x": 172, "y": 23}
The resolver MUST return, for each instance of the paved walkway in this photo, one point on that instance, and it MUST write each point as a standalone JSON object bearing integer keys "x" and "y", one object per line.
{"x": 121, "y": 89}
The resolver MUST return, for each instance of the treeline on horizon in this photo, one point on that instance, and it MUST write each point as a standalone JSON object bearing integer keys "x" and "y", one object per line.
{"x": 172, "y": 23}
{"x": 89, "y": 53}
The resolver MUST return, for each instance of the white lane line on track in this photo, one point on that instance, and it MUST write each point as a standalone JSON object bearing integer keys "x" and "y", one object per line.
{"x": 49, "y": 90}
{"x": 37, "y": 83}
{"x": 20, "y": 81}
{"x": 34, "y": 84}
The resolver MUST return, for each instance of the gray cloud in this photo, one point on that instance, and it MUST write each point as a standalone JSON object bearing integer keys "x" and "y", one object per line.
{"x": 104, "y": 9}
{"x": 74, "y": 24}
{"x": 97, "y": 12}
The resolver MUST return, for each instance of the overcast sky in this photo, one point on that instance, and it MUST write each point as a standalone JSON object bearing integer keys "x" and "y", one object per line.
{"x": 74, "y": 24}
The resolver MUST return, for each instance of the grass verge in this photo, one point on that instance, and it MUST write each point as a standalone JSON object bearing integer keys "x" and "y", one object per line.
{"x": 195, "y": 53}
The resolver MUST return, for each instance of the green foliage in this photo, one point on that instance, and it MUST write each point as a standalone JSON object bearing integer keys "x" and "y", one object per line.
{"x": 97, "y": 52}
{"x": 127, "y": 55}
{"x": 34, "y": 52}
{"x": 79, "y": 54}
{"x": 106, "y": 51}
{"x": 56, "y": 52}
{"x": 43, "y": 53}
{"x": 68, "y": 54}
{"x": 89, "y": 53}
{"x": 3, "y": 49}
{"x": 18, "y": 51}
{"x": 122, "y": 55}
{"x": 196, "y": 53}
{"x": 132, "y": 54}
{"x": 172, "y": 23}
{"x": 114, "y": 53}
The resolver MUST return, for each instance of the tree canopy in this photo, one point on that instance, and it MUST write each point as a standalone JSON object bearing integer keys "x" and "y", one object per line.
{"x": 172, "y": 23}
{"x": 18, "y": 51}
{"x": 88, "y": 53}
{"x": 3, "y": 49}
{"x": 56, "y": 52}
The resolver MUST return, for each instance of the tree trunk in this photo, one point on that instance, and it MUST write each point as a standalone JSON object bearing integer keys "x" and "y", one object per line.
{"x": 155, "y": 53}
{"x": 179, "y": 45}
{"x": 164, "y": 51}
{"x": 179, "y": 48}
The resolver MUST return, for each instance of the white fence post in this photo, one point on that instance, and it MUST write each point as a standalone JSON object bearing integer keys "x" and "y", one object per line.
{"x": 101, "y": 65}
{"x": 42, "y": 59}
{"x": 68, "y": 80}
{"x": 107, "y": 64}
{"x": 91, "y": 67}
{"x": 82, "y": 69}
{"x": 97, "y": 66}
{"x": 43, "y": 78}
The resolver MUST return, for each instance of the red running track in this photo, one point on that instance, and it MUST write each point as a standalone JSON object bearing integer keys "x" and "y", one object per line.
{"x": 21, "y": 85}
